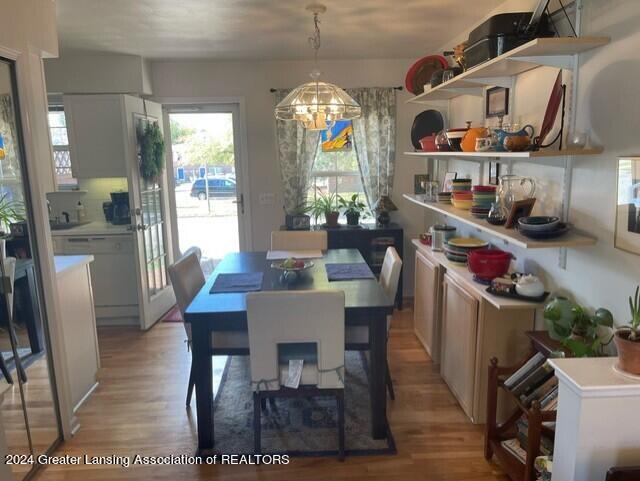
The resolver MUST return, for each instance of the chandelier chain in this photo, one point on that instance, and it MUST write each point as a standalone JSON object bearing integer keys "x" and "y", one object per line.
{"x": 315, "y": 40}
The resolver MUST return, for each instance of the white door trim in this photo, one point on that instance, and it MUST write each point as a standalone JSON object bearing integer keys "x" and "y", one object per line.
{"x": 237, "y": 106}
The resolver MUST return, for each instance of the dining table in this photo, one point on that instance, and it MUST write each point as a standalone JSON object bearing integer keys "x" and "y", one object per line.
{"x": 366, "y": 304}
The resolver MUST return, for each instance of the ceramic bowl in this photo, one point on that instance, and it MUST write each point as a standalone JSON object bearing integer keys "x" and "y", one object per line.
{"x": 538, "y": 223}
{"x": 462, "y": 204}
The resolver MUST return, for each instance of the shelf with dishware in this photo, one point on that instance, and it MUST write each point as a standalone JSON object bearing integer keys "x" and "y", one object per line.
{"x": 492, "y": 155}
{"x": 555, "y": 51}
{"x": 509, "y": 236}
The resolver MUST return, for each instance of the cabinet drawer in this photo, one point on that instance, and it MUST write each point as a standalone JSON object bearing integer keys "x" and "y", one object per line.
{"x": 98, "y": 244}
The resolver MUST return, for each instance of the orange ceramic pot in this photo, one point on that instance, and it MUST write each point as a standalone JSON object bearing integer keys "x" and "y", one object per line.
{"x": 628, "y": 352}
{"x": 469, "y": 141}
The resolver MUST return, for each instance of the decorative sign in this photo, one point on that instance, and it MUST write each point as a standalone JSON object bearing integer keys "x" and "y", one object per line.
{"x": 627, "y": 234}
{"x": 2, "y": 154}
{"x": 338, "y": 138}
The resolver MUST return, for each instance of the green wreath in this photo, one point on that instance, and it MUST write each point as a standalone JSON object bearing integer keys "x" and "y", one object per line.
{"x": 151, "y": 144}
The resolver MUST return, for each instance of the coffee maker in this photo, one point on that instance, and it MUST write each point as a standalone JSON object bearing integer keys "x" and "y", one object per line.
{"x": 117, "y": 211}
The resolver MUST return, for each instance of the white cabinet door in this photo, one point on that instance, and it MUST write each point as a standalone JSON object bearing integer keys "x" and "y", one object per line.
{"x": 97, "y": 137}
{"x": 459, "y": 329}
{"x": 425, "y": 310}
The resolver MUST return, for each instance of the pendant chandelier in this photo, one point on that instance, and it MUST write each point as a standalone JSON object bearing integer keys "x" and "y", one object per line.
{"x": 317, "y": 105}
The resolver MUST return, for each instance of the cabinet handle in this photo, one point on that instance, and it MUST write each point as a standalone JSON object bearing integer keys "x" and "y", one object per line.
{"x": 98, "y": 238}
{"x": 77, "y": 239}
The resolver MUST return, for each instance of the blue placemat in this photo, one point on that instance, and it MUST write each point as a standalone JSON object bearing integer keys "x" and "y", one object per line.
{"x": 242, "y": 282}
{"x": 346, "y": 272}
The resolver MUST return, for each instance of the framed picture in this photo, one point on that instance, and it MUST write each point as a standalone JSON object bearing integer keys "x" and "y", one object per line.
{"x": 627, "y": 231}
{"x": 520, "y": 208}
{"x": 448, "y": 177}
{"x": 494, "y": 173}
{"x": 420, "y": 183}
{"x": 338, "y": 138}
{"x": 497, "y": 102}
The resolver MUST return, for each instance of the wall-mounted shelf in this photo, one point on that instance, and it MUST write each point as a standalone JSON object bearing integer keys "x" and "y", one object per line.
{"x": 510, "y": 236}
{"x": 507, "y": 155}
{"x": 556, "y": 52}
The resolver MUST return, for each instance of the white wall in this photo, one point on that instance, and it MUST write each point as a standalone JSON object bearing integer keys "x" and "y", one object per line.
{"x": 608, "y": 106}
{"x": 251, "y": 81}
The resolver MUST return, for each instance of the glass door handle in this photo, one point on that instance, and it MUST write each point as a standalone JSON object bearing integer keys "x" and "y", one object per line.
{"x": 142, "y": 226}
{"x": 240, "y": 201}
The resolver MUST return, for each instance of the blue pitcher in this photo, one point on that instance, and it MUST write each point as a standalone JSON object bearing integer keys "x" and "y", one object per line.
{"x": 503, "y": 134}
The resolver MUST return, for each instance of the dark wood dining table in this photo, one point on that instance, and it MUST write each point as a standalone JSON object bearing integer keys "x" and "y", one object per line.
{"x": 365, "y": 304}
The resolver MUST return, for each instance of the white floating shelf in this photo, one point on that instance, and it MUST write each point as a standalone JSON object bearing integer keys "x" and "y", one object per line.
{"x": 556, "y": 51}
{"x": 510, "y": 236}
{"x": 508, "y": 155}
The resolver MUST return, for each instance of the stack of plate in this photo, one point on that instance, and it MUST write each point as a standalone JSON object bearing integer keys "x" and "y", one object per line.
{"x": 483, "y": 196}
{"x": 444, "y": 197}
{"x": 542, "y": 227}
{"x": 457, "y": 248}
{"x": 462, "y": 199}
{"x": 459, "y": 185}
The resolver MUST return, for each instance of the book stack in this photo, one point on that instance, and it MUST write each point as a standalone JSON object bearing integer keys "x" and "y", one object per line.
{"x": 546, "y": 440}
{"x": 534, "y": 381}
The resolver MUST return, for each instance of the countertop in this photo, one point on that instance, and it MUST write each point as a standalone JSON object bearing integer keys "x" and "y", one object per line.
{"x": 68, "y": 263}
{"x": 93, "y": 228}
{"x": 595, "y": 377}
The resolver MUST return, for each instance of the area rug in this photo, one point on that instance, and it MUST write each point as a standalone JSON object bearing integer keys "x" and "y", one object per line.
{"x": 296, "y": 426}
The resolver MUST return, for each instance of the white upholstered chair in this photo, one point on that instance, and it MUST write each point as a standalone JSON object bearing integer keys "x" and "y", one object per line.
{"x": 291, "y": 240}
{"x": 306, "y": 325}
{"x": 357, "y": 337}
{"x": 187, "y": 279}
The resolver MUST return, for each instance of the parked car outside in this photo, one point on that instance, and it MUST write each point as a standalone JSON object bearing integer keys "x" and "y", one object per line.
{"x": 218, "y": 187}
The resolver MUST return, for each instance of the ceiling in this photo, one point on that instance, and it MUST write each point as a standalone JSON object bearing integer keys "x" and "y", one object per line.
{"x": 263, "y": 29}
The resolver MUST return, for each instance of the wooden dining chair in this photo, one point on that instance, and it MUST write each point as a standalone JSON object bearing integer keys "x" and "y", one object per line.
{"x": 357, "y": 337}
{"x": 187, "y": 279}
{"x": 289, "y": 240}
{"x": 308, "y": 325}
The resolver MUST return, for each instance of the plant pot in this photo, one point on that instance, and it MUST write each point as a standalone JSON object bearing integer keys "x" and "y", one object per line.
{"x": 331, "y": 218}
{"x": 353, "y": 218}
{"x": 628, "y": 352}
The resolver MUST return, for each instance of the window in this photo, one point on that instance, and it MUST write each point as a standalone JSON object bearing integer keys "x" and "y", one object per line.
{"x": 336, "y": 172}
{"x": 60, "y": 141}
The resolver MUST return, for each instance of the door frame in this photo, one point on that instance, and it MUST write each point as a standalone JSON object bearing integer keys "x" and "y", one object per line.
{"x": 237, "y": 106}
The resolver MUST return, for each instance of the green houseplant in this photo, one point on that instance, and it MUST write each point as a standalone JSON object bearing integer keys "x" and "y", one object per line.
{"x": 326, "y": 205}
{"x": 627, "y": 338}
{"x": 10, "y": 211}
{"x": 353, "y": 208}
{"x": 578, "y": 330}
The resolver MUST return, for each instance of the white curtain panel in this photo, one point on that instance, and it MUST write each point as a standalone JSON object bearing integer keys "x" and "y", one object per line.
{"x": 374, "y": 138}
{"x": 297, "y": 149}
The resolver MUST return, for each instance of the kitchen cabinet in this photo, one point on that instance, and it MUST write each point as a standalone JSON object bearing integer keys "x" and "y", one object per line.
{"x": 96, "y": 127}
{"x": 459, "y": 336}
{"x": 113, "y": 274}
{"x": 471, "y": 326}
{"x": 426, "y": 316}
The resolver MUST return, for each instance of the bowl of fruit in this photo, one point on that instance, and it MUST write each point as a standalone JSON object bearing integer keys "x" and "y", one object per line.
{"x": 292, "y": 267}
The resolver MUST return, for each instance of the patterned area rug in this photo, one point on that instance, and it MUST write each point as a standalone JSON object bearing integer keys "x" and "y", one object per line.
{"x": 296, "y": 426}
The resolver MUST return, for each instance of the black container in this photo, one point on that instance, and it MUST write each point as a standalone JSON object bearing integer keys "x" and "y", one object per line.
{"x": 501, "y": 33}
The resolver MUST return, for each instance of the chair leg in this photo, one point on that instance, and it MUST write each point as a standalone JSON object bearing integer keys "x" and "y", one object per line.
{"x": 257, "y": 399}
{"x": 5, "y": 370}
{"x": 340, "y": 403}
{"x": 392, "y": 394}
{"x": 192, "y": 383}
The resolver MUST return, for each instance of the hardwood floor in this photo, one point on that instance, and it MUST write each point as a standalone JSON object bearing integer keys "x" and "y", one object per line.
{"x": 139, "y": 409}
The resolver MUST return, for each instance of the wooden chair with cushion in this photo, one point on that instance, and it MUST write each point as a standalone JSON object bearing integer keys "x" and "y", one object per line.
{"x": 288, "y": 240}
{"x": 306, "y": 325}
{"x": 357, "y": 337}
{"x": 187, "y": 280}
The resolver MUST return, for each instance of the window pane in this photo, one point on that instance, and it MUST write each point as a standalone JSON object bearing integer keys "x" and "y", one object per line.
{"x": 60, "y": 142}
{"x": 325, "y": 161}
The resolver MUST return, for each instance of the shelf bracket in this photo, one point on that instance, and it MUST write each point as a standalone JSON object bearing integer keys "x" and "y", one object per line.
{"x": 558, "y": 61}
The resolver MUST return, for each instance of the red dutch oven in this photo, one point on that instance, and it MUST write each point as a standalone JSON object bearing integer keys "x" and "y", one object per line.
{"x": 487, "y": 264}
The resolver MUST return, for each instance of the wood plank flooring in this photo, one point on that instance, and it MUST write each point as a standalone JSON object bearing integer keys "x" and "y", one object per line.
{"x": 139, "y": 409}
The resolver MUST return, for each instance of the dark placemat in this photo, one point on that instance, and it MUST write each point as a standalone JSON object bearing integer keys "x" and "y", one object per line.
{"x": 347, "y": 272}
{"x": 241, "y": 282}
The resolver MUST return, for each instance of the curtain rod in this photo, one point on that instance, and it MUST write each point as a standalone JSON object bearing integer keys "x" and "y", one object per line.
{"x": 272, "y": 90}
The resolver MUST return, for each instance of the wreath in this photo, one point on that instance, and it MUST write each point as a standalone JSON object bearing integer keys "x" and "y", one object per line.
{"x": 151, "y": 143}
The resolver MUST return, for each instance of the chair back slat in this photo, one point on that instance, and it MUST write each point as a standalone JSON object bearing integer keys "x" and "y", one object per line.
{"x": 187, "y": 279}
{"x": 298, "y": 240}
{"x": 390, "y": 272}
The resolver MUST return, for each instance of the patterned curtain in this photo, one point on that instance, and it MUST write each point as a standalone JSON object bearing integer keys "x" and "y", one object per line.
{"x": 297, "y": 148}
{"x": 374, "y": 138}
{"x": 10, "y": 164}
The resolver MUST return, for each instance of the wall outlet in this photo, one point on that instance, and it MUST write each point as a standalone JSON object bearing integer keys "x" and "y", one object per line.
{"x": 267, "y": 198}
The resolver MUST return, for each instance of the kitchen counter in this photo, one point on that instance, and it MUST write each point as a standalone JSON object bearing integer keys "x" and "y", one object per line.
{"x": 93, "y": 228}
{"x": 66, "y": 264}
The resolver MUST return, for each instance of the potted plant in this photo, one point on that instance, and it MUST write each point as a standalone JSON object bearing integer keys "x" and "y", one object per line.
{"x": 627, "y": 339}
{"x": 576, "y": 329}
{"x": 326, "y": 205}
{"x": 353, "y": 209}
{"x": 297, "y": 219}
